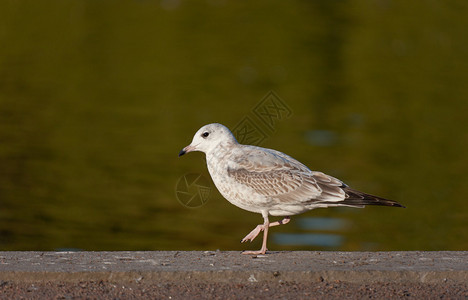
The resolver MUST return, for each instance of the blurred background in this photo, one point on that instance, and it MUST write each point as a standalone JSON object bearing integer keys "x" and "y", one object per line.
{"x": 98, "y": 97}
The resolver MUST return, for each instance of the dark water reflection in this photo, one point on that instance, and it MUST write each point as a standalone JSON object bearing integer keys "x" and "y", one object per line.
{"x": 97, "y": 98}
{"x": 329, "y": 240}
{"x": 328, "y": 224}
{"x": 309, "y": 239}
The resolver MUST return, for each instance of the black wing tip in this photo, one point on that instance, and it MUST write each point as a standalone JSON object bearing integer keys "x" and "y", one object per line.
{"x": 373, "y": 202}
{"x": 389, "y": 203}
{"x": 357, "y": 197}
{"x": 386, "y": 202}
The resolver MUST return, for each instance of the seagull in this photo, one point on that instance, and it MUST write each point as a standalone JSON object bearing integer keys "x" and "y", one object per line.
{"x": 269, "y": 182}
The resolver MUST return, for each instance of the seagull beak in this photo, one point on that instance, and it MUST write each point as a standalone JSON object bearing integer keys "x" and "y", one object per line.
{"x": 182, "y": 152}
{"x": 187, "y": 149}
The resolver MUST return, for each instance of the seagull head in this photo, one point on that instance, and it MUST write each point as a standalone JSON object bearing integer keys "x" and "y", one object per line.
{"x": 210, "y": 137}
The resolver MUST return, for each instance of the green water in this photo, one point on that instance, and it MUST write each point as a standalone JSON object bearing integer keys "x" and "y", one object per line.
{"x": 98, "y": 97}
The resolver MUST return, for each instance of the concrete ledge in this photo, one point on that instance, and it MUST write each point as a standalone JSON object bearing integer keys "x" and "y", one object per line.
{"x": 232, "y": 267}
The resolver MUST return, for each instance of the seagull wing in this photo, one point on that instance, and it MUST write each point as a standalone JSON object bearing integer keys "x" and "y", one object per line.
{"x": 280, "y": 177}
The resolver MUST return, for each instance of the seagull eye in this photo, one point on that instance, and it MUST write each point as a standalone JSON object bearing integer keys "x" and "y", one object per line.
{"x": 205, "y": 134}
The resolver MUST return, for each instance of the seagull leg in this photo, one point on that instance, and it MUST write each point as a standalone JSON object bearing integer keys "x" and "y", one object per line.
{"x": 253, "y": 234}
{"x": 263, "y": 227}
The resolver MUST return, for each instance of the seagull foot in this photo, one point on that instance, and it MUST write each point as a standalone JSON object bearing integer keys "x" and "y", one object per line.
{"x": 254, "y": 252}
{"x": 253, "y": 234}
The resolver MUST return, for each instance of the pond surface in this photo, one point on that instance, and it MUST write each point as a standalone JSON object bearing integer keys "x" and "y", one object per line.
{"x": 98, "y": 97}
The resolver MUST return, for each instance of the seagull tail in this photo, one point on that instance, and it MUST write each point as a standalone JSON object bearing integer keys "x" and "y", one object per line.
{"x": 357, "y": 198}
